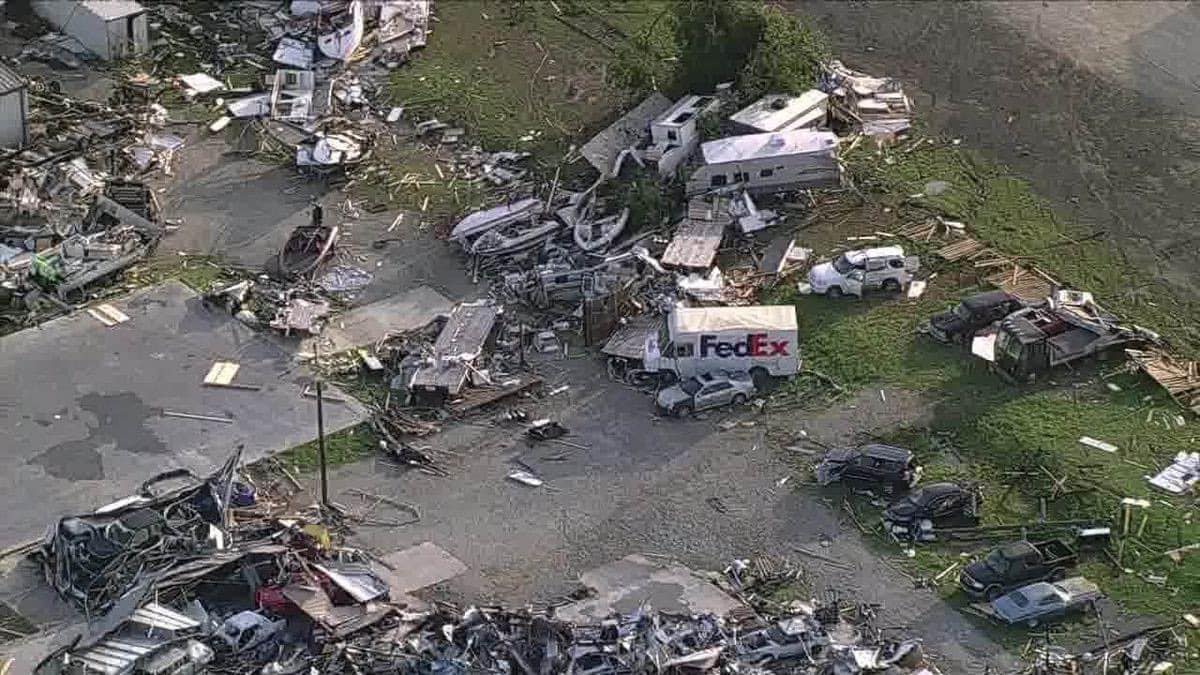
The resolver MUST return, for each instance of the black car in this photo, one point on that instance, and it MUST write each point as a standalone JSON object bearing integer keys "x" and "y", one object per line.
{"x": 1014, "y": 565}
{"x": 920, "y": 513}
{"x": 959, "y": 325}
{"x": 895, "y": 469}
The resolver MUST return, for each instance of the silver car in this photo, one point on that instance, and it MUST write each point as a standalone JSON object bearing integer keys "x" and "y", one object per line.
{"x": 710, "y": 390}
{"x": 1045, "y": 601}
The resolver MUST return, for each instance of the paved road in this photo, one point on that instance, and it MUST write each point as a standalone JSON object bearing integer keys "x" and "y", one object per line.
{"x": 645, "y": 486}
{"x": 81, "y": 405}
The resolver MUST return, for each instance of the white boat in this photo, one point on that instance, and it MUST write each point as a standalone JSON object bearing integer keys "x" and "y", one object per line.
{"x": 593, "y": 235}
{"x": 481, "y": 221}
{"x": 514, "y": 237}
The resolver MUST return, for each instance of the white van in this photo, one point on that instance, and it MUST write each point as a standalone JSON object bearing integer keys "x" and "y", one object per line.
{"x": 762, "y": 341}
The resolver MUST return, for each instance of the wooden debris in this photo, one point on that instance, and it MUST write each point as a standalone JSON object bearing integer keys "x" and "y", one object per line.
{"x": 1180, "y": 378}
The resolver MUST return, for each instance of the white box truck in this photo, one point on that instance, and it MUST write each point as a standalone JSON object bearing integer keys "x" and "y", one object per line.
{"x": 761, "y": 340}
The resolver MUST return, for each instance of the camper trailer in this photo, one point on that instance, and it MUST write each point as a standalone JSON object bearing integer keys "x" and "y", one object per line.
{"x": 767, "y": 163}
{"x": 673, "y": 134}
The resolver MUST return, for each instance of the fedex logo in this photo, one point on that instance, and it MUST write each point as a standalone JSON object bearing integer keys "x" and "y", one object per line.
{"x": 755, "y": 344}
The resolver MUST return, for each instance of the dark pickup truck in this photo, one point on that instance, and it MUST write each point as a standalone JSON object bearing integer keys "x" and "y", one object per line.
{"x": 1015, "y": 565}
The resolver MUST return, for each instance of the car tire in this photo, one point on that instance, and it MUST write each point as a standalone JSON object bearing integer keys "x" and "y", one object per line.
{"x": 761, "y": 378}
{"x": 682, "y": 410}
{"x": 739, "y": 400}
{"x": 992, "y": 592}
{"x": 891, "y": 285}
{"x": 834, "y": 292}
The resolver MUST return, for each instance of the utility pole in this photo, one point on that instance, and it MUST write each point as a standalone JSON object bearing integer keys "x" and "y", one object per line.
{"x": 321, "y": 433}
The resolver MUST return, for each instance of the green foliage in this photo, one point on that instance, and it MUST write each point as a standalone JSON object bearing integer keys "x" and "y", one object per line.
{"x": 715, "y": 38}
{"x": 649, "y": 204}
{"x": 647, "y": 61}
{"x": 709, "y": 126}
{"x": 786, "y": 60}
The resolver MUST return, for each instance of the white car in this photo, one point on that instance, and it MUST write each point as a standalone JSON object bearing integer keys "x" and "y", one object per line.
{"x": 854, "y": 272}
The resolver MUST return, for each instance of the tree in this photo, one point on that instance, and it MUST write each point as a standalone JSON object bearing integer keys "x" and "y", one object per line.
{"x": 714, "y": 39}
{"x": 786, "y": 60}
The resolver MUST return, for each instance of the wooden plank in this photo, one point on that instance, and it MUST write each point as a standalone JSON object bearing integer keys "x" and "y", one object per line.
{"x": 221, "y": 373}
{"x": 695, "y": 244}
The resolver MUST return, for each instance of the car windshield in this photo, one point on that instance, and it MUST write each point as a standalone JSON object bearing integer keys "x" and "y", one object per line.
{"x": 842, "y": 265}
{"x": 1018, "y": 598}
{"x": 997, "y": 562}
{"x": 690, "y": 387}
{"x": 962, "y": 312}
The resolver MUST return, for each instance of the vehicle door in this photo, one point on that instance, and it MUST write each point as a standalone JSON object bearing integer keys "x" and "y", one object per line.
{"x": 862, "y": 468}
{"x": 713, "y": 395}
{"x": 876, "y": 272}
{"x": 1050, "y": 606}
{"x": 949, "y": 507}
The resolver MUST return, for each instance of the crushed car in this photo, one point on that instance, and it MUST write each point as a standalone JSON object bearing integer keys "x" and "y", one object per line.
{"x": 1043, "y": 602}
{"x": 855, "y": 272}
{"x": 921, "y": 513}
{"x": 959, "y": 324}
{"x": 894, "y": 469}
{"x": 1016, "y": 564}
{"x": 709, "y": 390}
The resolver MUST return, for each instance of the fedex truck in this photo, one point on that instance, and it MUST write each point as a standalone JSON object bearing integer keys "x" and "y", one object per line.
{"x": 759, "y": 340}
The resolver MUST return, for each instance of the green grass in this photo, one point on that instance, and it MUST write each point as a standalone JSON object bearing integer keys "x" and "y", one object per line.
{"x": 1004, "y": 211}
{"x": 343, "y": 447}
{"x": 505, "y": 71}
{"x": 1011, "y": 439}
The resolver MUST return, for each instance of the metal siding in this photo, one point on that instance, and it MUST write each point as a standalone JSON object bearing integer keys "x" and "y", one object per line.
{"x": 12, "y": 119}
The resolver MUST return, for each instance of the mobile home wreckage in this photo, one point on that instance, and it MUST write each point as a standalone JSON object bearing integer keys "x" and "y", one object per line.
{"x": 771, "y": 162}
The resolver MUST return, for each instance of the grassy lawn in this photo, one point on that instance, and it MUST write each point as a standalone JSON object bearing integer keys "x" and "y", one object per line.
{"x": 1019, "y": 442}
{"x": 508, "y": 71}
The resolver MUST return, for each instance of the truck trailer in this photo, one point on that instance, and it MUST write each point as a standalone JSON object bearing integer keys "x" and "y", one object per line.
{"x": 760, "y": 340}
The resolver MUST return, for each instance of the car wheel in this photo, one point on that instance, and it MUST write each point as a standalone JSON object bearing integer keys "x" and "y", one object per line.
{"x": 682, "y": 410}
{"x": 834, "y": 292}
{"x": 891, "y": 285}
{"x": 761, "y": 378}
{"x": 739, "y": 399}
{"x": 992, "y": 592}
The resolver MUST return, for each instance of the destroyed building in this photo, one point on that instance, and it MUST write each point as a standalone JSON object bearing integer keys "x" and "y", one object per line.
{"x": 14, "y": 109}
{"x": 772, "y": 162}
{"x": 109, "y": 29}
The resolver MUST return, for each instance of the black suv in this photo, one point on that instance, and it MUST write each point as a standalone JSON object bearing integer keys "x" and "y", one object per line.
{"x": 919, "y": 514}
{"x": 894, "y": 468}
{"x": 959, "y": 325}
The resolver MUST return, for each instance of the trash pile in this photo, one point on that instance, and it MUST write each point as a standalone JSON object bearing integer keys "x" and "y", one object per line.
{"x": 320, "y": 66}
{"x": 1148, "y": 650}
{"x": 173, "y": 583}
{"x": 74, "y": 204}
{"x": 876, "y": 106}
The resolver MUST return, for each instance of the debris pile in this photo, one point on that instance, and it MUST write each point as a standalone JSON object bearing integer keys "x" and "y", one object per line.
{"x": 876, "y": 106}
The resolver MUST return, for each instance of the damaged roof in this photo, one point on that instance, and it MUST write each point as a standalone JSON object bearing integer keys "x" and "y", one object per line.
{"x": 602, "y": 150}
{"x": 10, "y": 80}
{"x": 761, "y": 146}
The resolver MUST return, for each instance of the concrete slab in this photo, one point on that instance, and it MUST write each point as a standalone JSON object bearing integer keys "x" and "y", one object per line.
{"x": 82, "y": 404}
{"x": 421, "y": 566}
{"x": 626, "y": 584}
{"x": 367, "y": 324}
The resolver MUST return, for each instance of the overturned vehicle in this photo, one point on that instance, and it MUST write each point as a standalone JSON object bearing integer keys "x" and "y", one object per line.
{"x": 95, "y": 559}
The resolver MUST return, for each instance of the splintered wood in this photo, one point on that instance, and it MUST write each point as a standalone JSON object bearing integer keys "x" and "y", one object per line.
{"x": 698, "y": 236}
{"x": 1028, "y": 285}
{"x": 1180, "y": 378}
{"x": 960, "y": 249}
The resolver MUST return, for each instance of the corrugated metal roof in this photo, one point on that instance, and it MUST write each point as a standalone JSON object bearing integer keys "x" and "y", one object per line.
{"x": 157, "y": 616}
{"x": 10, "y": 79}
{"x": 113, "y": 9}
{"x": 114, "y": 655}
